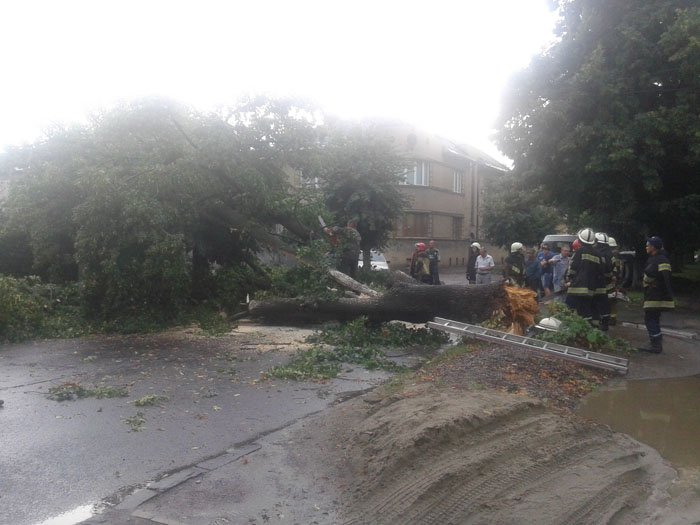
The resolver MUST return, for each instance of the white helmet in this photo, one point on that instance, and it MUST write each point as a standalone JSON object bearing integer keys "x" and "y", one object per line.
{"x": 476, "y": 245}
{"x": 601, "y": 238}
{"x": 612, "y": 242}
{"x": 586, "y": 236}
{"x": 516, "y": 247}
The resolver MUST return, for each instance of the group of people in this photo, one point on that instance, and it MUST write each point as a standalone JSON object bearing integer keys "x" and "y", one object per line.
{"x": 590, "y": 277}
{"x": 424, "y": 264}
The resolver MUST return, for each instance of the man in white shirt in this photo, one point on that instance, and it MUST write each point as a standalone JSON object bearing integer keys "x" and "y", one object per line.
{"x": 559, "y": 264}
{"x": 484, "y": 267}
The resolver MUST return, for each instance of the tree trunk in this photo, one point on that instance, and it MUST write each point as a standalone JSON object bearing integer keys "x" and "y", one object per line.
{"x": 405, "y": 302}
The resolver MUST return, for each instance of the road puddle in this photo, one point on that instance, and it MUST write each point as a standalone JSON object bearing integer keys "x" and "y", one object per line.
{"x": 663, "y": 413}
{"x": 71, "y": 517}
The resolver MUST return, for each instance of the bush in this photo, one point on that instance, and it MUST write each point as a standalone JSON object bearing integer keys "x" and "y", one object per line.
{"x": 21, "y": 313}
{"x": 30, "y": 309}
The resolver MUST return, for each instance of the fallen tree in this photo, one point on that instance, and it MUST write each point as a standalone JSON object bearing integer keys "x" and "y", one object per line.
{"x": 406, "y": 300}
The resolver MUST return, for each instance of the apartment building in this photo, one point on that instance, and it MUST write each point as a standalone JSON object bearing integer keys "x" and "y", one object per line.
{"x": 446, "y": 185}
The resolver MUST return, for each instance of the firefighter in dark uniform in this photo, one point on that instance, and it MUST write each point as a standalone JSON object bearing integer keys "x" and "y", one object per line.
{"x": 584, "y": 272}
{"x": 514, "y": 270}
{"x": 600, "y": 304}
{"x": 658, "y": 295}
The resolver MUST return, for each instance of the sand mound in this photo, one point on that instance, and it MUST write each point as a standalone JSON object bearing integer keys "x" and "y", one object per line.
{"x": 441, "y": 457}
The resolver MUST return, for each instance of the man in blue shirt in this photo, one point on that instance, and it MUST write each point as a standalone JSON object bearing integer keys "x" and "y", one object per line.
{"x": 547, "y": 274}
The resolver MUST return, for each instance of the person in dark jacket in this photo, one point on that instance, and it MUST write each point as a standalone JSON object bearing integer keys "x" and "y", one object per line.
{"x": 471, "y": 262}
{"x": 600, "y": 304}
{"x": 658, "y": 295}
{"x": 514, "y": 270}
{"x": 434, "y": 258}
{"x": 584, "y": 273}
{"x": 533, "y": 271}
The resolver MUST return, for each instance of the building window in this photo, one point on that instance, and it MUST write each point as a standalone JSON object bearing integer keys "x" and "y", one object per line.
{"x": 458, "y": 178}
{"x": 420, "y": 176}
{"x": 457, "y": 227}
{"x": 412, "y": 225}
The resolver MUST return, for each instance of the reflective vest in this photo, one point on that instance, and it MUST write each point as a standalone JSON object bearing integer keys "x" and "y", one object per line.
{"x": 657, "y": 283}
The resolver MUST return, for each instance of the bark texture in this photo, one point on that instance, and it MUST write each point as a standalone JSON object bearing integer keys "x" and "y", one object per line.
{"x": 414, "y": 303}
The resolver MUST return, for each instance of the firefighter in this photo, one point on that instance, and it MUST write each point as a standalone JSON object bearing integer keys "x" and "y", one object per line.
{"x": 584, "y": 273}
{"x": 420, "y": 266}
{"x": 599, "y": 304}
{"x": 514, "y": 270}
{"x": 658, "y": 295}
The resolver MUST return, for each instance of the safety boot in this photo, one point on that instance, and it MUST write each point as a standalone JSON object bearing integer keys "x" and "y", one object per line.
{"x": 604, "y": 322}
{"x": 655, "y": 345}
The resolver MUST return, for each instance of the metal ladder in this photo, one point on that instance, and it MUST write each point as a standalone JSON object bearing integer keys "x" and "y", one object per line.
{"x": 565, "y": 352}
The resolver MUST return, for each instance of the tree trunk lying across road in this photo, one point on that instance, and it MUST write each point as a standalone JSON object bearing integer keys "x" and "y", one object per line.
{"x": 414, "y": 303}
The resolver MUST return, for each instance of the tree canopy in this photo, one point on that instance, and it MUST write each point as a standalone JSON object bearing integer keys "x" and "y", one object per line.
{"x": 145, "y": 200}
{"x": 605, "y": 123}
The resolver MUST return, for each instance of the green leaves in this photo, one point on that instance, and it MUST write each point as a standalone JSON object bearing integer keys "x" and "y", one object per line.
{"x": 606, "y": 119}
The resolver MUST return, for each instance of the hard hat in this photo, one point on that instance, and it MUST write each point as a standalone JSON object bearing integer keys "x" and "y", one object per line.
{"x": 421, "y": 246}
{"x": 476, "y": 245}
{"x": 576, "y": 244}
{"x": 516, "y": 247}
{"x": 612, "y": 242}
{"x": 586, "y": 236}
{"x": 601, "y": 238}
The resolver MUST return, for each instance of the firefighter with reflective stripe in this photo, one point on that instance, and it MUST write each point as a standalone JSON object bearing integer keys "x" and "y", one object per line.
{"x": 514, "y": 270}
{"x": 658, "y": 295}
{"x": 600, "y": 304}
{"x": 583, "y": 273}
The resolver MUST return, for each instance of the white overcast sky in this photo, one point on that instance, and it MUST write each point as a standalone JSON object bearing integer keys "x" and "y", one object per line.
{"x": 439, "y": 65}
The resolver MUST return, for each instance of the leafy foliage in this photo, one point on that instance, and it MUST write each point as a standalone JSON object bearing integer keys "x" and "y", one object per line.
{"x": 30, "y": 308}
{"x": 149, "y": 401}
{"x": 576, "y": 331}
{"x": 359, "y": 176}
{"x": 514, "y": 212}
{"x": 154, "y": 207}
{"x": 355, "y": 342}
{"x": 20, "y": 313}
{"x": 605, "y": 121}
{"x": 69, "y": 390}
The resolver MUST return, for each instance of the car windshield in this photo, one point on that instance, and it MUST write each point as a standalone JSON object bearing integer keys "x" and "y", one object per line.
{"x": 374, "y": 256}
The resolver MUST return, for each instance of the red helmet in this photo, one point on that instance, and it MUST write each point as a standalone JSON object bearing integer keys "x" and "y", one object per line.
{"x": 421, "y": 246}
{"x": 576, "y": 244}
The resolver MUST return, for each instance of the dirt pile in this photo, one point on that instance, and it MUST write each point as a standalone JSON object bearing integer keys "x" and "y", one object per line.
{"x": 437, "y": 456}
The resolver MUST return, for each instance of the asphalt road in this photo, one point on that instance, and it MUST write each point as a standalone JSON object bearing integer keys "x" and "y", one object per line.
{"x": 59, "y": 456}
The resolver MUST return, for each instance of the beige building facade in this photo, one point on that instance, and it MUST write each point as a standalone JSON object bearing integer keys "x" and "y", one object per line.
{"x": 445, "y": 183}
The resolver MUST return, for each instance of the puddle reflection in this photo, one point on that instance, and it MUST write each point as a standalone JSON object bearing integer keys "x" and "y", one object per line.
{"x": 71, "y": 517}
{"x": 663, "y": 413}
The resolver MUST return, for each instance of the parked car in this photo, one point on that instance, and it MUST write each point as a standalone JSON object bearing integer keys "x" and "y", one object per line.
{"x": 378, "y": 261}
{"x": 556, "y": 241}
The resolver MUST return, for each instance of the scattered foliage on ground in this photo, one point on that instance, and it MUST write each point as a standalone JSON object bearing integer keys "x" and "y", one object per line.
{"x": 152, "y": 400}
{"x": 69, "y": 390}
{"x": 358, "y": 342}
{"x": 361, "y": 332}
{"x": 576, "y": 331}
{"x": 136, "y": 422}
